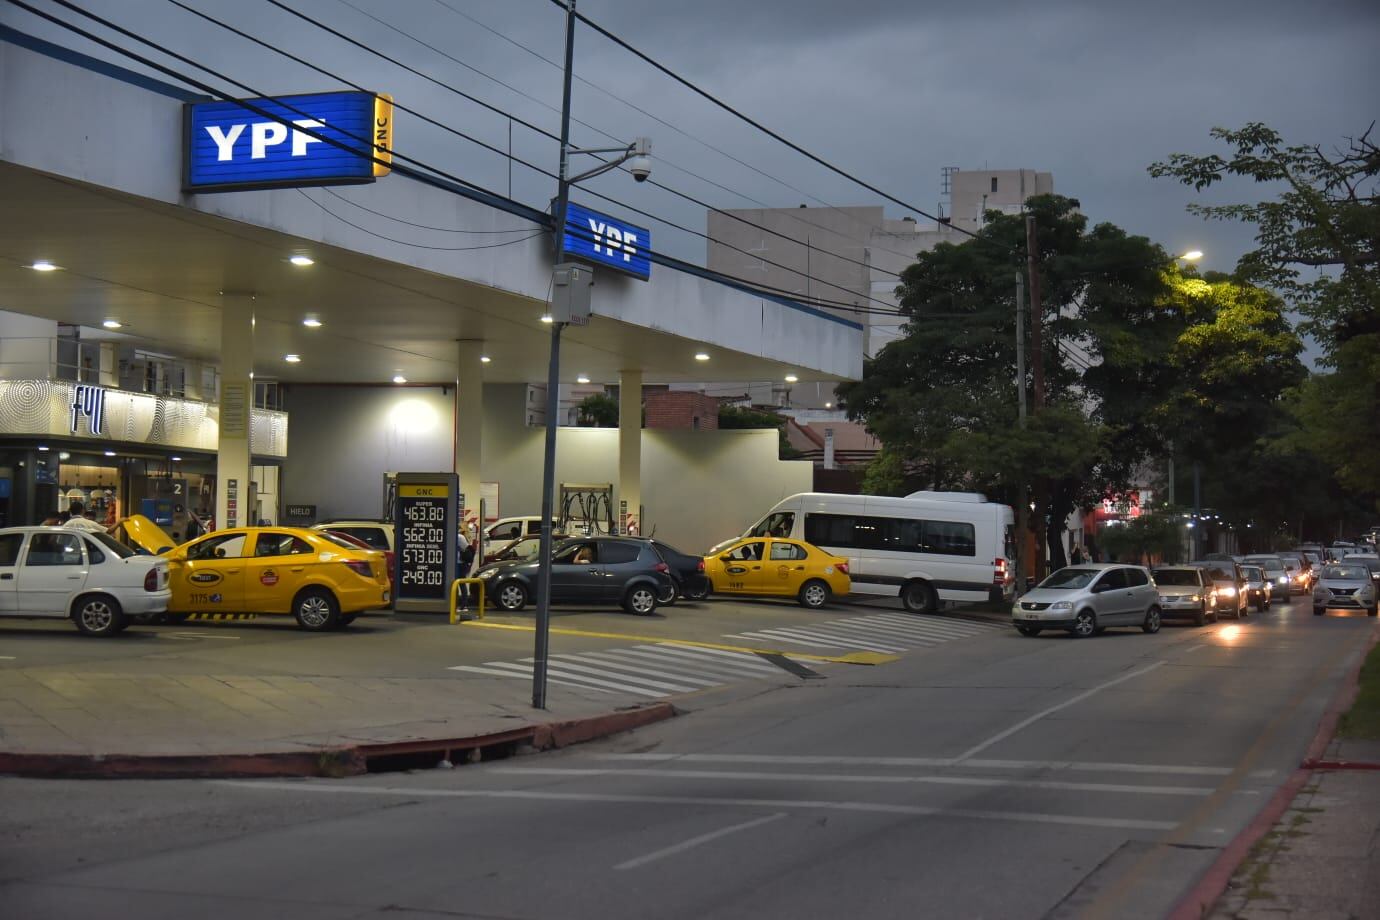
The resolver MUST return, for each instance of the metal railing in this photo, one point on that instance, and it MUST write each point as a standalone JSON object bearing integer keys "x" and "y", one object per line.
{"x": 455, "y": 598}
{"x": 135, "y": 370}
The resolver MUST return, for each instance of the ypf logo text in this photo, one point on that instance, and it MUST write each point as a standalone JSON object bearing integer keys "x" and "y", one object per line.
{"x": 262, "y": 136}
{"x": 610, "y": 241}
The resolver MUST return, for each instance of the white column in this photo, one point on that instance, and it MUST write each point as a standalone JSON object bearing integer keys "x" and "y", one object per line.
{"x": 109, "y": 371}
{"x": 630, "y": 448}
{"x": 236, "y": 399}
{"x": 469, "y": 423}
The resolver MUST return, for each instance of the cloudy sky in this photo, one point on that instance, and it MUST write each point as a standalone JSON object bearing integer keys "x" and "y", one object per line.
{"x": 890, "y": 90}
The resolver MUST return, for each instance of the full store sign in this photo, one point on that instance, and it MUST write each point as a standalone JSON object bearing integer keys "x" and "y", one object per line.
{"x": 603, "y": 240}
{"x": 235, "y": 145}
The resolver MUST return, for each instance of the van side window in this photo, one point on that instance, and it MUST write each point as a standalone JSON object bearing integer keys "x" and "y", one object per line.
{"x": 906, "y": 535}
{"x": 779, "y": 524}
{"x": 950, "y": 538}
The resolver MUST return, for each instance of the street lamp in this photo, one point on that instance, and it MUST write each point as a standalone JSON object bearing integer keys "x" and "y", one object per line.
{"x": 636, "y": 155}
{"x": 1193, "y": 255}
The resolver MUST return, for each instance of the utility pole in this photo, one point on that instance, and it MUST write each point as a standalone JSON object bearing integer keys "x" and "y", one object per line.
{"x": 542, "y": 645}
{"x": 1023, "y": 494}
{"x": 1197, "y": 507}
{"x": 1037, "y": 361}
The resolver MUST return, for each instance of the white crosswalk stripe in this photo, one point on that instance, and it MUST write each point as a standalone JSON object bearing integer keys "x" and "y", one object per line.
{"x": 881, "y": 632}
{"x": 644, "y": 670}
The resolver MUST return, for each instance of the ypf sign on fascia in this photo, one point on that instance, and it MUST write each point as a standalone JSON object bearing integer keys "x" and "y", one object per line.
{"x": 230, "y": 146}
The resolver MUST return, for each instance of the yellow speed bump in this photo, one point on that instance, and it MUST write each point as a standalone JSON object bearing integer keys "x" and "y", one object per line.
{"x": 864, "y": 658}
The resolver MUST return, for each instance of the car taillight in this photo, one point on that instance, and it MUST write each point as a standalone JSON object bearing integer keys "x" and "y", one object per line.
{"x": 151, "y": 580}
{"x": 699, "y": 566}
{"x": 360, "y": 568}
{"x": 662, "y": 567}
{"x": 998, "y": 571}
{"x": 842, "y": 567}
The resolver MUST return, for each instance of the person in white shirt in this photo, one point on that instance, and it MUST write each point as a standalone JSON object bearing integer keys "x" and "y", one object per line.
{"x": 78, "y": 522}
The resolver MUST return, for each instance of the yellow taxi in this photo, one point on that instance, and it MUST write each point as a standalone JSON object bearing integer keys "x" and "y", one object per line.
{"x": 323, "y": 581}
{"x": 774, "y": 567}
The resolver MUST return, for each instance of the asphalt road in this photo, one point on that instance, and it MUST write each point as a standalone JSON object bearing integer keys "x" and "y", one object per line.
{"x": 998, "y": 776}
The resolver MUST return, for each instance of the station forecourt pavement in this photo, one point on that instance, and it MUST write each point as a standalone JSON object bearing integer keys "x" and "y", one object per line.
{"x": 255, "y": 685}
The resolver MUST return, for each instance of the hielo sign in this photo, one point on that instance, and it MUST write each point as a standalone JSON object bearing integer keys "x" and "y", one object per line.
{"x": 228, "y": 146}
{"x": 607, "y": 241}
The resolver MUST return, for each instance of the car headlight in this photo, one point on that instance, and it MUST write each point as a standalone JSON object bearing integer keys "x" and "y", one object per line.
{"x": 1284, "y": 579}
{"x": 487, "y": 573}
{"x": 1061, "y": 605}
{"x": 1227, "y": 592}
{"x": 1195, "y": 599}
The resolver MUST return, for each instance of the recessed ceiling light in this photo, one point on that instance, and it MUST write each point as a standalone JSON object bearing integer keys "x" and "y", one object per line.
{"x": 41, "y": 447}
{"x": 112, "y": 324}
{"x": 547, "y": 318}
{"x": 582, "y": 379}
{"x": 701, "y": 356}
{"x": 292, "y": 359}
{"x": 64, "y": 455}
{"x": 311, "y": 322}
{"x": 302, "y": 260}
{"x": 110, "y": 453}
{"x": 43, "y": 265}
{"x": 175, "y": 459}
{"x": 399, "y": 378}
{"x": 791, "y": 378}
{"x": 484, "y": 359}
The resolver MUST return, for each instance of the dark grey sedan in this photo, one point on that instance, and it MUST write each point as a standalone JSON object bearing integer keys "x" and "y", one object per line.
{"x": 585, "y": 570}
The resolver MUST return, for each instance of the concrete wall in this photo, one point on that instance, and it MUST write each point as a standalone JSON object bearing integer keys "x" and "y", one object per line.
{"x": 698, "y": 487}
{"x": 26, "y": 346}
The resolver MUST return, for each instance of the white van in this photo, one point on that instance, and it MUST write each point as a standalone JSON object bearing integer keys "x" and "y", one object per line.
{"x": 924, "y": 548}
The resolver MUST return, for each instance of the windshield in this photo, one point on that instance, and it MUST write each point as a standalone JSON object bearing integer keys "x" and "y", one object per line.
{"x": 1252, "y": 573}
{"x": 110, "y": 543}
{"x": 1070, "y": 578}
{"x": 1218, "y": 573}
{"x": 1187, "y": 578}
{"x": 1346, "y": 572}
{"x": 1266, "y": 562}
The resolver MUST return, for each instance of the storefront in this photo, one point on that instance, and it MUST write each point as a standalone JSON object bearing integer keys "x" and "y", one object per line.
{"x": 119, "y": 453}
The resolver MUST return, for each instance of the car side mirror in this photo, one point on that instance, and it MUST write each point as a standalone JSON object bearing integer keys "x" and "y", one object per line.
{"x": 1099, "y": 587}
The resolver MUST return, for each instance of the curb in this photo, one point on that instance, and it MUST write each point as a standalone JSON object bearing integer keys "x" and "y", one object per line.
{"x": 1202, "y": 897}
{"x": 334, "y": 762}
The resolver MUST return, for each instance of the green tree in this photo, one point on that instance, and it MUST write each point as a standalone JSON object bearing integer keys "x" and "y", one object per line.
{"x": 598, "y": 410}
{"x": 1318, "y": 244}
{"x": 943, "y": 397}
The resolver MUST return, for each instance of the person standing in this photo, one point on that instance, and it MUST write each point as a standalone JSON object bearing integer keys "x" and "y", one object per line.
{"x": 78, "y": 520}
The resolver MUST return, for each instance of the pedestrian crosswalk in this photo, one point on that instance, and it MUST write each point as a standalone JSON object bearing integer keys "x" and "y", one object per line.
{"x": 651, "y": 671}
{"x": 880, "y": 632}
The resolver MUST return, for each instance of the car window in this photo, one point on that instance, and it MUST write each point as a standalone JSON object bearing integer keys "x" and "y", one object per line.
{"x": 9, "y": 547}
{"x": 506, "y": 531}
{"x": 1070, "y": 578}
{"x": 786, "y": 552}
{"x": 1187, "y": 578}
{"x": 748, "y": 552}
{"x": 220, "y": 546}
{"x": 1135, "y": 578}
{"x": 779, "y": 524}
{"x": 1112, "y": 579}
{"x": 615, "y": 553}
{"x": 281, "y": 544}
{"x": 374, "y": 536}
{"x": 109, "y": 544}
{"x": 54, "y": 549}
{"x": 1346, "y": 572}
{"x": 1252, "y": 573}
{"x": 576, "y": 553}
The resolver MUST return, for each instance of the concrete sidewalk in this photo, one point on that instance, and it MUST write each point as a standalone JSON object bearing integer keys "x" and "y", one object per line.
{"x": 1321, "y": 860}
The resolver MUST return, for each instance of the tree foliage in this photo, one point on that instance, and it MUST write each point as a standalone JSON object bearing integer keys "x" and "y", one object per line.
{"x": 746, "y": 417}
{"x": 598, "y": 410}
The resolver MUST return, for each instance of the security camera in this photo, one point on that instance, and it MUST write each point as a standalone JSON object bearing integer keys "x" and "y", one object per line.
{"x": 640, "y": 167}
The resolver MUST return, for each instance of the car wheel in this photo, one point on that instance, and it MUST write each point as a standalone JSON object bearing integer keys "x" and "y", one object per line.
{"x": 1152, "y": 620}
{"x": 699, "y": 592}
{"x": 666, "y": 594}
{"x": 1031, "y": 631}
{"x": 1318, "y": 611}
{"x": 316, "y": 610}
{"x": 640, "y": 599}
{"x": 1200, "y": 617}
{"x": 511, "y": 596}
{"x": 918, "y": 597}
{"x": 814, "y": 594}
{"x": 1084, "y": 624}
{"x": 98, "y": 615}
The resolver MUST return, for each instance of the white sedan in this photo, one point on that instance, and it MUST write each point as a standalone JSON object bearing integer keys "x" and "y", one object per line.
{"x": 88, "y": 577}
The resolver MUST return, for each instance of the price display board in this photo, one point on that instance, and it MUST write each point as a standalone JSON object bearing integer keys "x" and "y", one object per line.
{"x": 425, "y": 526}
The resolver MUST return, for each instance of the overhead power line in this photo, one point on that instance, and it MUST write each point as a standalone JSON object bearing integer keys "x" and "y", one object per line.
{"x": 759, "y": 126}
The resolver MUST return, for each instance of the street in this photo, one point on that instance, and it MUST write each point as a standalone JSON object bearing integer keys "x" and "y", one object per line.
{"x": 994, "y": 776}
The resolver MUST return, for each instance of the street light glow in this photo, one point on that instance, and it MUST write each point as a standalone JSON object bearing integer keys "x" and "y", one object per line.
{"x": 1193, "y": 255}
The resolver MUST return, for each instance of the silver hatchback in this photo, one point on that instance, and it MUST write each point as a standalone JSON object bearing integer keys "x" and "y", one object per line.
{"x": 1344, "y": 585}
{"x": 1086, "y": 599}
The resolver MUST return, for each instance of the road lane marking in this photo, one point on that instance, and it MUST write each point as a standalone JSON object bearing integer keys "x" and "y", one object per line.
{"x": 1027, "y": 722}
{"x": 701, "y": 801}
{"x": 190, "y": 636}
{"x": 696, "y": 841}
{"x": 879, "y": 779}
{"x": 563, "y": 662}
{"x": 860, "y": 658}
{"x": 842, "y": 761}
{"x": 524, "y": 675}
{"x": 596, "y": 658}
